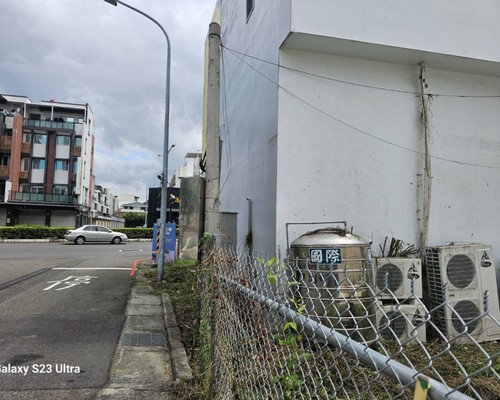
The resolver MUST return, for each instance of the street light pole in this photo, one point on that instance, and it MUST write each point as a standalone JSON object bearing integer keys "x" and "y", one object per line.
{"x": 163, "y": 204}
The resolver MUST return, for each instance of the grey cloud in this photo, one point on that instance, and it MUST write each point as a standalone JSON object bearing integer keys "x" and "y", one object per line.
{"x": 114, "y": 59}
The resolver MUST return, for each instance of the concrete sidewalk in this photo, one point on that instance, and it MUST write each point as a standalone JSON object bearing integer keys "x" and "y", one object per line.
{"x": 150, "y": 356}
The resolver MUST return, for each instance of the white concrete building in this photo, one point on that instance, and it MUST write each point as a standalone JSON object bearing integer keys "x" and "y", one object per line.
{"x": 105, "y": 208}
{"x": 191, "y": 167}
{"x": 322, "y": 119}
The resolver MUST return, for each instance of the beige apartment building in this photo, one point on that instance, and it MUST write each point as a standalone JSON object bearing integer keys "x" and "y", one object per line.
{"x": 46, "y": 162}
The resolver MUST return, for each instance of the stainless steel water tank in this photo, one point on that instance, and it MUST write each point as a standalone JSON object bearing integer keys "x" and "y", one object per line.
{"x": 333, "y": 273}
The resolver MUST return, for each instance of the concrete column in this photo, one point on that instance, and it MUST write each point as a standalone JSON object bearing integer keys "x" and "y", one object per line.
{"x": 212, "y": 184}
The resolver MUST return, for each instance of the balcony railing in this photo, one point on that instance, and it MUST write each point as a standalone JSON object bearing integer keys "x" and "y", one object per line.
{"x": 42, "y": 198}
{"x": 4, "y": 171}
{"x": 50, "y": 124}
{"x": 5, "y": 142}
{"x": 25, "y": 147}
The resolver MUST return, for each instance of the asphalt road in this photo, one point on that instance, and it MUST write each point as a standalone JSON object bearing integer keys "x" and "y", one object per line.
{"x": 62, "y": 308}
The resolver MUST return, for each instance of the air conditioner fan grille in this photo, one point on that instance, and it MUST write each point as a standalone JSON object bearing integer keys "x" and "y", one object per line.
{"x": 460, "y": 271}
{"x": 468, "y": 312}
{"x": 392, "y": 325}
{"x": 394, "y": 277}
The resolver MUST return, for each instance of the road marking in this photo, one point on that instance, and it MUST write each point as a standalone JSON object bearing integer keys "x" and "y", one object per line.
{"x": 130, "y": 250}
{"x": 68, "y": 283}
{"x": 92, "y": 269}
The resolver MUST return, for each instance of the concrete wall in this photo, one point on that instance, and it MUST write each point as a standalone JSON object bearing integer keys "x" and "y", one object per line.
{"x": 318, "y": 149}
{"x": 352, "y": 152}
{"x": 248, "y": 125}
{"x": 455, "y": 27}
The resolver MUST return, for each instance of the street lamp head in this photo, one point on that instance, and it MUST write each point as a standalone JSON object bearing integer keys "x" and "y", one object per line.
{"x": 113, "y": 2}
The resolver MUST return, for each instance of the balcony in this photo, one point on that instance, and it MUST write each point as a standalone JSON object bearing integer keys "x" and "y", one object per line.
{"x": 34, "y": 123}
{"x": 25, "y": 148}
{"x": 4, "y": 171}
{"x": 43, "y": 198}
{"x": 23, "y": 175}
{"x": 5, "y": 142}
{"x": 77, "y": 151}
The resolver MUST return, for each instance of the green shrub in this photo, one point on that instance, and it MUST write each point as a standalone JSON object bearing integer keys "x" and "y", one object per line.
{"x": 47, "y": 232}
{"x": 136, "y": 233}
{"x": 32, "y": 232}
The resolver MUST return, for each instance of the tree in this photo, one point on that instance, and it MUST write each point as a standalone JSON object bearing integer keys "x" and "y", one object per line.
{"x": 133, "y": 220}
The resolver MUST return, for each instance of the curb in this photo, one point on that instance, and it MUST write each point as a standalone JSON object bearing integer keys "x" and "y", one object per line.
{"x": 181, "y": 369}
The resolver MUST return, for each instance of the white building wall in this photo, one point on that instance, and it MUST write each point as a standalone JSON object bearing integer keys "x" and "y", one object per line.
{"x": 323, "y": 150}
{"x": 328, "y": 171}
{"x": 455, "y": 27}
{"x": 61, "y": 177}
{"x": 37, "y": 176}
{"x": 248, "y": 133}
{"x": 463, "y": 207}
{"x": 354, "y": 153}
{"x": 62, "y": 151}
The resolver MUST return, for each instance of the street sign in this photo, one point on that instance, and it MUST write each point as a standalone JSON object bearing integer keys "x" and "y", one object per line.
{"x": 170, "y": 242}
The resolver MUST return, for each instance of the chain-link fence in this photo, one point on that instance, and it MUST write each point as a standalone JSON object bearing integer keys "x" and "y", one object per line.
{"x": 295, "y": 330}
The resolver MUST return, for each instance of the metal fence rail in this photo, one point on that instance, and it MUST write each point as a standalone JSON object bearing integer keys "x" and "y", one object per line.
{"x": 275, "y": 331}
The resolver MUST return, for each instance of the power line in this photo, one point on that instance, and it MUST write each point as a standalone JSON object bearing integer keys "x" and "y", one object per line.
{"x": 414, "y": 93}
{"x": 388, "y": 142}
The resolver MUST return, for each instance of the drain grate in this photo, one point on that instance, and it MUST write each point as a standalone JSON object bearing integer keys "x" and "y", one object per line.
{"x": 143, "y": 339}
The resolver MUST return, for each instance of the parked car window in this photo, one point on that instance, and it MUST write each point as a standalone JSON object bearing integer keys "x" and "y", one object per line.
{"x": 102, "y": 229}
{"x": 89, "y": 228}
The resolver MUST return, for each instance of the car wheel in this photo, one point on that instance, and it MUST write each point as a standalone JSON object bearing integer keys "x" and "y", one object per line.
{"x": 116, "y": 240}
{"x": 80, "y": 240}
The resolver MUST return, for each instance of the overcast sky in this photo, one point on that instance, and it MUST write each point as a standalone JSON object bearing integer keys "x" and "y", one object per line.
{"x": 114, "y": 59}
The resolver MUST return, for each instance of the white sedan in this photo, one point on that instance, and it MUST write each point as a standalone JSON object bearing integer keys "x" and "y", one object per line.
{"x": 95, "y": 233}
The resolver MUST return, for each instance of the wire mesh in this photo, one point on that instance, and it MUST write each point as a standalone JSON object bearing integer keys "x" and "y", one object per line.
{"x": 289, "y": 330}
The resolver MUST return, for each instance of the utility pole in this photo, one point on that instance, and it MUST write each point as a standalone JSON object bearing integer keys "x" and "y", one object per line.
{"x": 212, "y": 185}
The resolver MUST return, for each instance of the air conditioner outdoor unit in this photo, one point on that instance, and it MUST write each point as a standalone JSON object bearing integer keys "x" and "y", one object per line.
{"x": 393, "y": 277}
{"x": 401, "y": 322}
{"x": 468, "y": 270}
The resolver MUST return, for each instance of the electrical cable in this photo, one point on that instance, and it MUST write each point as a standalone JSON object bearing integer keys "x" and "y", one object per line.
{"x": 361, "y": 84}
{"x": 388, "y": 142}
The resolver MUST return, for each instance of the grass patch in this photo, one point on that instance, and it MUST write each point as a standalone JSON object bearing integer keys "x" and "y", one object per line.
{"x": 180, "y": 283}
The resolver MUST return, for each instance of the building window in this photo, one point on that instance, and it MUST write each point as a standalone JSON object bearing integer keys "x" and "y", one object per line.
{"x": 62, "y": 165}
{"x": 75, "y": 166}
{"x": 26, "y": 137}
{"x": 61, "y": 190}
{"x": 25, "y": 164}
{"x": 24, "y": 187}
{"x": 250, "y": 7}
{"x": 39, "y": 138}
{"x": 4, "y": 161}
{"x": 62, "y": 140}
{"x": 38, "y": 163}
{"x": 36, "y": 189}
{"x": 78, "y": 141}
